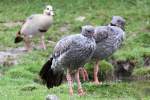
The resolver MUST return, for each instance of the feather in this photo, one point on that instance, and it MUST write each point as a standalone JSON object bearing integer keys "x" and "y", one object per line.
{"x": 18, "y": 38}
{"x": 48, "y": 76}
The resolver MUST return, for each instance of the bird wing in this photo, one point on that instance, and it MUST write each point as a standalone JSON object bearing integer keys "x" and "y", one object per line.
{"x": 31, "y": 17}
{"x": 101, "y": 33}
{"x": 62, "y": 46}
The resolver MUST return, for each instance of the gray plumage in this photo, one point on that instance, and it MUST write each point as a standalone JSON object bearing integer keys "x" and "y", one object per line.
{"x": 108, "y": 40}
{"x": 71, "y": 52}
{"x": 118, "y": 21}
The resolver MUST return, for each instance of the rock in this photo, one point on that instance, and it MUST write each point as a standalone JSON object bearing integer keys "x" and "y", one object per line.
{"x": 123, "y": 69}
{"x": 51, "y": 97}
{"x": 80, "y": 18}
{"x": 9, "y": 57}
{"x": 13, "y": 24}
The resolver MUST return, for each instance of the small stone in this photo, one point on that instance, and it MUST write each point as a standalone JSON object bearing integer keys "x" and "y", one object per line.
{"x": 80, "y": 18}
{"x": 52, "y": 97}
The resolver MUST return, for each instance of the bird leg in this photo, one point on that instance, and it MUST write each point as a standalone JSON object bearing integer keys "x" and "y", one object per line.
{"x": 43, "y": 46}
{"x": 27, "y": 43}
{"x": 96, "y": 69}
{"x": 84, "y": 73}
{"x": 80, "y": 90}
{"x": 68, "y": 76}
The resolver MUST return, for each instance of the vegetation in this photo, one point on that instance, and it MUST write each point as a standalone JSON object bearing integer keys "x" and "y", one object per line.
{"x": 142, "y": 71}
{"x": 21, "y": 81}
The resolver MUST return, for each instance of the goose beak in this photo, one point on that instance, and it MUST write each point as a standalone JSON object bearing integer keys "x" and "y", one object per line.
{"x": 52, "y": 13}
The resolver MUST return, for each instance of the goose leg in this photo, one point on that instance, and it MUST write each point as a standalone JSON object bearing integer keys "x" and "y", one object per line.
{"x": 43, "y": 46}
{"x": 96, "y": 69}
{"x": 84, "y": 74}
{"x": 80, "y": 90}
{"x": 27, "y": 43}
{"x": 68, "y": 76}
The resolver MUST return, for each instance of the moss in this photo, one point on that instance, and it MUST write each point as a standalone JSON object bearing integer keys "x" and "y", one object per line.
{"x": 19, "y": 73}
{"x": 105, "y": 70}
{"x": 144, "y": 71}
{"x": 105, "y": 66}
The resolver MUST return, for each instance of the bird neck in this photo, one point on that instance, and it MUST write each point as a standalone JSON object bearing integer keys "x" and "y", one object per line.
{"x": 88, "y": 35}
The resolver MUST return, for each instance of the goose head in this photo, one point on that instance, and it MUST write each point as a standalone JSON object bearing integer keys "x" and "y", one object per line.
{"x": 118, "y": 21}
{"x": 48, "y": 10}
{"x": 88, "y": 30}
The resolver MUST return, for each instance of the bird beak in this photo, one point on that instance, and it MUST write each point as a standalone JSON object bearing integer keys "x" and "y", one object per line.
{"x": 123, "y": 28}
{"x": 52, "y": 13}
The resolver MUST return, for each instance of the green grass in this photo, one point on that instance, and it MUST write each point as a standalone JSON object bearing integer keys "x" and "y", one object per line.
{"x": 143, "y": 71}
{"x": 21, "y": 81}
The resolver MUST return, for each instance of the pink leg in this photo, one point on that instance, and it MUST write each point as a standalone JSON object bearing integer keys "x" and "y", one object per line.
{"x": 27, "y": 43}
{"x": 43, "y": 46}
{"x": 84, "y": 73}
{"x": 80, "y": 90}
{"x": 96, "y": 69}
{"x": 68, "y": 76}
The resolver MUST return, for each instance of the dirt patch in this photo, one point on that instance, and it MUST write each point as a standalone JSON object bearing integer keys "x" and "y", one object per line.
{"x": 64, "y": 28}
{"x": 12, "y": 23}
{"x": 80, "y": 18}
{"x": 1, "y": 74}
{"x": 10, "y": 57}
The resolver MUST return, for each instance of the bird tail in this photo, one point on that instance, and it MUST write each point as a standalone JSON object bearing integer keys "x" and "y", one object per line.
{"x": 18, "y": 37}
{"x": 49, "y": 77}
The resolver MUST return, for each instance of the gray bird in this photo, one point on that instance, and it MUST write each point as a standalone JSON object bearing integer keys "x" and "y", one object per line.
{"x": 35, "y": 25}
{"x": 70, "y": 53}
{"x": 108, "y": 39}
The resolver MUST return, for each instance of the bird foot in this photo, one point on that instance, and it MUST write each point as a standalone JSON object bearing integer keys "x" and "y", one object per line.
{"x": 43, "y": 47}
{"x": 81, "y": 92}
{"x": 84, "y": 74}
{"x": 97, "y": 83}
{"x": 28, "y": 50}
{"x": 71, "y": 92}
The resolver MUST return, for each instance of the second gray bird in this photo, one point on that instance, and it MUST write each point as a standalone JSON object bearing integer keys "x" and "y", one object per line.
{"x": 108, "y": 40}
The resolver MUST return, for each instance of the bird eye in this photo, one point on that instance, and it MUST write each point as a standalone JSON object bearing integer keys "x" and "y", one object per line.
{"x": 118, "y": 21}
{"x": 89, "y": 31}
{"x": 47, "y": 8}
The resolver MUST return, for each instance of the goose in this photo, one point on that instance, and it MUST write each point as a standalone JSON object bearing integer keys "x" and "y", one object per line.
{"x": 108, "y": 39}
{"x": 35, "y": 25}
{"x": 70, "y": 54}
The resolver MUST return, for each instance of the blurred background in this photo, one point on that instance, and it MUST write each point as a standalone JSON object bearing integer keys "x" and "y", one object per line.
{"x": 126, "y": 74}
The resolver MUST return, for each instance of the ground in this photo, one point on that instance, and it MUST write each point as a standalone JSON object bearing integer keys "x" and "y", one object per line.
{"x": 21, "y": 81}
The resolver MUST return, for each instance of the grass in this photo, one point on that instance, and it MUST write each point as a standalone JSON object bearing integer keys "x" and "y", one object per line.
{"x": 142, "y": 71}
{"x": 21, "y": 81}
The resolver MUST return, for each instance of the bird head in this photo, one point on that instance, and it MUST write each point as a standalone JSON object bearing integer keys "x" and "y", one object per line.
{"x": 48, "y": 10}
{"x": 88, "y": 30}
{"x": 118, "y": 21}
